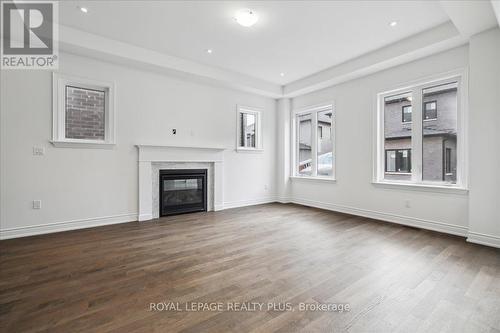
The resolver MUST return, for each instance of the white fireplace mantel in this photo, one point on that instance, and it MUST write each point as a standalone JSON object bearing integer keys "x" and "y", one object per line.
{"x": 149, "y": 154}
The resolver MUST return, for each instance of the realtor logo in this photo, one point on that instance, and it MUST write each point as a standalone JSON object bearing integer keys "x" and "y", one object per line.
{"x": 29, "y": 35}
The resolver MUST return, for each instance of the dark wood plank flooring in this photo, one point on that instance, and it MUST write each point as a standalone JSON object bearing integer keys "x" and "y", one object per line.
{"x": 394, "y": 278}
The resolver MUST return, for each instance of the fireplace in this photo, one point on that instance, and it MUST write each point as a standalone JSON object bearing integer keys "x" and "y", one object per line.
{"x": 183, "y": 191}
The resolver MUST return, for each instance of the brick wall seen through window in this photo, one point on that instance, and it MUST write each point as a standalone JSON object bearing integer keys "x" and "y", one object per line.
{"x": 85, "y": 113}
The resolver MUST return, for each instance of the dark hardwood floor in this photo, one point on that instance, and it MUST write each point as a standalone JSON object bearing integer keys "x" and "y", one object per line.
{"x": 394, "y": 278}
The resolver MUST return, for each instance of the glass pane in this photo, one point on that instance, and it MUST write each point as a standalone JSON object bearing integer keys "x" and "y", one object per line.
{"x": 182, "y": 191}
{"x": 304, "y": 124}
{"x": 390, "y": 160}
{"x": 439, "y": 142}
{"x": 325, "y": 143}
{"x": 247, "y": 130}
{"x": 397, "y": 136}
{"x": 84, "y": 113}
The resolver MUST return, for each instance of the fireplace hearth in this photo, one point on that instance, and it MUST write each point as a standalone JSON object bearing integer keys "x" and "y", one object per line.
{"x": 183, "y": 191}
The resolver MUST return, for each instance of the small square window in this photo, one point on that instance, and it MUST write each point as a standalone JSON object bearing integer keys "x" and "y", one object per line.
{"x": 407, "y": 114}
{"x": 83, "y": 112}
{"x": 249, "y": 131}
{"x": 430, "y": 110}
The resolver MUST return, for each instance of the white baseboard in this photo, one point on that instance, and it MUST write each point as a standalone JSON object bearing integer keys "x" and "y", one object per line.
{"x": 65, "y": 226}
{"x": 472, "y": 237}
{"x": 284, "y": 200}
{"x": 404, "y": 220}
{"x": 252, "y": 202}
{"x": 483, "y": 239}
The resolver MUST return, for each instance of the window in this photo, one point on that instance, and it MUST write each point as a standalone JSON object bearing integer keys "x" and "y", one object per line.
{"x": 447, "y": 161}
{"x": 422, "y": 152}
{"x": 407, "y": 114}
{"x": 314, "y": 142}
{"x": 398, "y": 160}
{"x": 83, "y": 113}
{"x": 430, "y": 110}
{"x": 248, "y": 130}
{"x": 397, "y": 136}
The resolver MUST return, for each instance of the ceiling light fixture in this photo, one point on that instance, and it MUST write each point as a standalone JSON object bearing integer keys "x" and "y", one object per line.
{"x": 209, "y": 51}
{"x": 282, "y": 74}
{"x": 83, "y": 9}
{"x": 393, "y": 23}
{"x": 246, "y": 17}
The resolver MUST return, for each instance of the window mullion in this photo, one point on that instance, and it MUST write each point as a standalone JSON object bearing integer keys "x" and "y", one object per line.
{"x": 314, "y": 144}
{"x": 416, "y": 137}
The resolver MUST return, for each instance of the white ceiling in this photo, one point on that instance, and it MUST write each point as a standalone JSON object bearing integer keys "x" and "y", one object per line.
{"x": 298, "y": 38}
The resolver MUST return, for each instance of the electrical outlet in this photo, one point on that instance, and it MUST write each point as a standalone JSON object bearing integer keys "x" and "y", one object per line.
{"x": 407, "y": 203}
{"x": 174, "y": 131}
{"x": 37, "y": 204}
{"x": 38, "y": 151}
{"x": 265, "y": 187}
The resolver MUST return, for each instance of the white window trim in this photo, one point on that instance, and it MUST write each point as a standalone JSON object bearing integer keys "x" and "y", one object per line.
{"x": 416, "y": 183}
{"x": 258, "y": 129}
{"x": 314, "y": 109}
{"x": 59, "y": 83}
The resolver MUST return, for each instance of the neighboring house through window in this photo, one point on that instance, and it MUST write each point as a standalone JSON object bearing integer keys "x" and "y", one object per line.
{"x": 421, "y": 151}
{"x": 314, "y": 141}
{"x": 83, "y": 112}
{"x": 249, "y": 137}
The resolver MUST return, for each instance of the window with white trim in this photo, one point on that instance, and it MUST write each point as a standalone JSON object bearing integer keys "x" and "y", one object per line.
{"x": 426, "y": 149}
{"x": 83, "y": 112}
{"x": 249, "y": 136}
{"x": 314, "y": 131}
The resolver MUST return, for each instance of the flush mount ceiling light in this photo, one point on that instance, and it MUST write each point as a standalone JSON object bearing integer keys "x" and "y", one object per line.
{"x": 246, "y": 17}
{"x": 282, "y": 74}
{"x": 393, "y": 23}
{"x": 209, "y": 51}
{"x": 83, "y": 9}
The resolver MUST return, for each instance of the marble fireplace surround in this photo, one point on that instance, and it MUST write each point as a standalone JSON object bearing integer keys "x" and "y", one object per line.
{"x": 153, "y": 158}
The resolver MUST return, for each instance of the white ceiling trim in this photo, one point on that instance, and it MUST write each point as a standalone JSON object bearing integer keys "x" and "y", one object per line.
{"x": 496, "y": 9}
{"x": 470, "y": 17}
{"x": 83, "y": 43}
{"x": 432, "y": 41}
{"x": 429, "y": 42}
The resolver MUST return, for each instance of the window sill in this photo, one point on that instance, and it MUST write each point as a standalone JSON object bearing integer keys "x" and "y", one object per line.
{"x": 249, "y": 150}
{"x": 422, "y": 187}
{"x": 82, "y": 144}
{"x": 318, "y": 179}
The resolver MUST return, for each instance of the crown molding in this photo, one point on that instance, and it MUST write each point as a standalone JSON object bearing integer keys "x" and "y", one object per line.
{"x": 82, "y": 43}
{"x": 429, "y": 42}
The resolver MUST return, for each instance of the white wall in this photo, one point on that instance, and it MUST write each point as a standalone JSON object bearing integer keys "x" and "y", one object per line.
{"x": 484, "y": 93}
{"x": 355, "y": 107}
{"x": 80, "y": 184}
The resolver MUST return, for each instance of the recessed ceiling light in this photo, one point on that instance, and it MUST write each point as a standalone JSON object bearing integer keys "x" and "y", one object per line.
{"x": 246, "y": 17}
{"x": 209, "y": 51}
{"x": 83, "y": 9}
{"x": 393, "y": 23}
{"x": 282, "y": 74}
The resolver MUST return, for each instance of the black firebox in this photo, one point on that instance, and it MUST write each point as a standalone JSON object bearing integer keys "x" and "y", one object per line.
{"x": 183, "y": 191}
